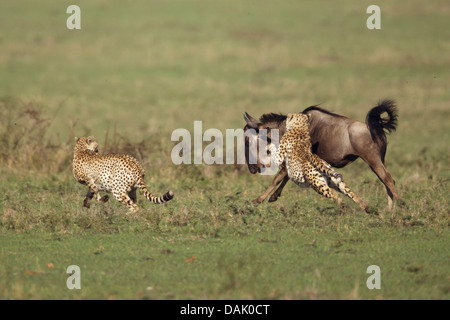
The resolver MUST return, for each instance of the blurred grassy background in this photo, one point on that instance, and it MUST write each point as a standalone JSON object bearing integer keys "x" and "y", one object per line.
{"x": 137, "y": 70}
{"x": 137, "y": 64}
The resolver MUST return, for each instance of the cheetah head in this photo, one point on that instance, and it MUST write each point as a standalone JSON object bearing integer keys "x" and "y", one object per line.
{"x": 297, "y": 120}
{"x": 86, "y": 143}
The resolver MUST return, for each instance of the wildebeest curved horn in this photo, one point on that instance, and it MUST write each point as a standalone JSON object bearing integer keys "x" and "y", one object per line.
{"x": 252, "y": 122}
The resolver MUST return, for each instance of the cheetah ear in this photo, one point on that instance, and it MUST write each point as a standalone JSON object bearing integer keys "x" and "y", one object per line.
{"x": 76, "y": 139}
{"x": 89, "y": 140}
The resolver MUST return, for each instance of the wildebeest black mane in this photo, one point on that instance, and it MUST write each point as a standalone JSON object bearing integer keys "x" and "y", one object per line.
{"x": 278, "y": 117}
{"x": 321, "y": 110}
{"x": 272, "y": 117}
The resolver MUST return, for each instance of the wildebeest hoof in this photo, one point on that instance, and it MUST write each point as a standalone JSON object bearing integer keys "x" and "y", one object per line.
{"x": 402, "y": 204}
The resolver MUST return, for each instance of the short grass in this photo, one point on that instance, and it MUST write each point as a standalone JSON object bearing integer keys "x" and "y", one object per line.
{"x": 138, "y": 70}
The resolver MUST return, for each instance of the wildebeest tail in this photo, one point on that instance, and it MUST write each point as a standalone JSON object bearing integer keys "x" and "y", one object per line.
{"x": 379, "y": 126}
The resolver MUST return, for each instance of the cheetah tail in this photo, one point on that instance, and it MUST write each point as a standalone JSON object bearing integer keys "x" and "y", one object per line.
{"x": 158, "y": 200}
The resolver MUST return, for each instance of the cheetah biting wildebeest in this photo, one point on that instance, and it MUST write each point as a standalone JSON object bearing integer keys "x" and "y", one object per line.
{"x": 306, "y": 168}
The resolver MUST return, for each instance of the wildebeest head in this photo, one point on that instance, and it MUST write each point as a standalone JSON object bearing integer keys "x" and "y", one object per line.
{"x": 258, "y": 134}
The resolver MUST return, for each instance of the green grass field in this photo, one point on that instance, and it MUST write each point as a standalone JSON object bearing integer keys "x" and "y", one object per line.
{"x": 137, "y": 70}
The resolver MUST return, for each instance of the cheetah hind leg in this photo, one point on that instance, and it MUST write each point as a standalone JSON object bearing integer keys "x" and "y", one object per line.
{"x": 346, "y": 190}
{"x": 321, "y": 187}
{"x": 132, "y": 195}
{"x": 126, "y": 200}
{"x": 88, "y": 199}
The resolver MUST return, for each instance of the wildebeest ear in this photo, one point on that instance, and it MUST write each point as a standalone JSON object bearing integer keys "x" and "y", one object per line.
{"x": 252, "y": 122}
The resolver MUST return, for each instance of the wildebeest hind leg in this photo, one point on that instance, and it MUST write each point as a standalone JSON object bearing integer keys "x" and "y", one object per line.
{"x": 385, "y": 177}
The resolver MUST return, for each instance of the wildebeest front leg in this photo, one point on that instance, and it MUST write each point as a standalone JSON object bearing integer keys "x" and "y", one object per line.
{"x": 277, "y": 193}
{"x": 281, "y": 176}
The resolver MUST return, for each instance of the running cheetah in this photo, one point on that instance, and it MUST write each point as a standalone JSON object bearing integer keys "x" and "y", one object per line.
{"x": 304, "y": 167}
{"x": 118, "y": 174}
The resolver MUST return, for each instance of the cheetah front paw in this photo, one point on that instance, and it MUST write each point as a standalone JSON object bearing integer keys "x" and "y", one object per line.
{"x": 270, "y": 147}
{"x": 336, "y": 178}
